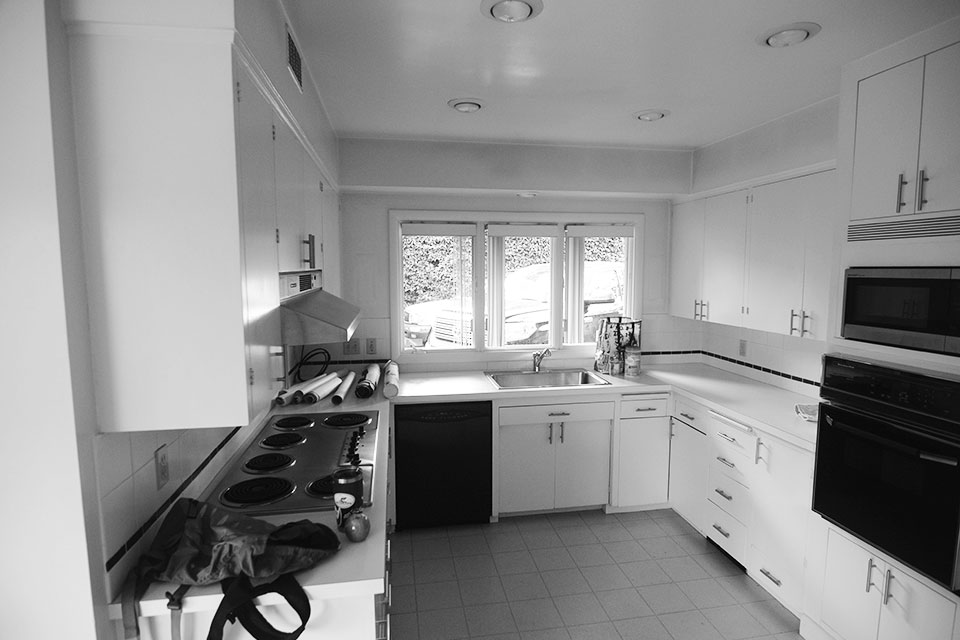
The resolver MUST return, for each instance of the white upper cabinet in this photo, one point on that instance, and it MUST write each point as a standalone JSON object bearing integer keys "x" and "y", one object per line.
{"x": 906, "y": 157}
{"x": 724, "y": 239}
{"x": 790, "y": 236}
{"x": 686, "y": 260}
{"x": 291, "y": 200}
{"x": 313, "y": 188}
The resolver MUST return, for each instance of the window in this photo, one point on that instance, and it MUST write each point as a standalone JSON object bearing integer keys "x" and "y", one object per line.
{"x": 536, "y": 282}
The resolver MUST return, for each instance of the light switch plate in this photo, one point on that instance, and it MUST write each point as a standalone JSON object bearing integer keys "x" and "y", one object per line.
{"x": 162, "y": 465}
{"x": 352, "y": 348}
{"x": 371, "y": 346}
{"x": 743, "y": 348}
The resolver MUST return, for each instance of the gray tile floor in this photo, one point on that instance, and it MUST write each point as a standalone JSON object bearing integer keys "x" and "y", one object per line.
{"x": 576, "y": 576}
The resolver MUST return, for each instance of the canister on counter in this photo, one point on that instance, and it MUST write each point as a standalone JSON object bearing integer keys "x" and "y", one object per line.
{"x": 631, "y": 357}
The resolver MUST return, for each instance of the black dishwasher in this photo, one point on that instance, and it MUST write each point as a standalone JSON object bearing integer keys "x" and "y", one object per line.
{"x": 443, "y": 463}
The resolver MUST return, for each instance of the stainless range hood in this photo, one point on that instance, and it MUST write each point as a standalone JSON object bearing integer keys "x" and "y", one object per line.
{"x": 317, "y": 317}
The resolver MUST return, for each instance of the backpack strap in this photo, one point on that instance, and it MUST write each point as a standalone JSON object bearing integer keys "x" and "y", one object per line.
{"x": 175, "y": 604}
{"x": 237, "y": 604}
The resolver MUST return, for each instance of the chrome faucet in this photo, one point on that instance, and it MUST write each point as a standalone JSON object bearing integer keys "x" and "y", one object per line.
{"x": 538, "y": 357}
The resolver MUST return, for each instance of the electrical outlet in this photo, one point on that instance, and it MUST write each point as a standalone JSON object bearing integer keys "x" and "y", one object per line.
{"x": 371, "y": 346}
{"x": 162, "y": 465}
{"x": 352, "y": 348}
{"x": 743, "y": 347}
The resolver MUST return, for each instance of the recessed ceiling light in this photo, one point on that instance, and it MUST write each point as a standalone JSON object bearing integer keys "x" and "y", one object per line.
{"x": 651, "y": 115}
{"x": 465, "y": 105}
{"x": 511, "y": 11}
{"x": 790, "y": 34}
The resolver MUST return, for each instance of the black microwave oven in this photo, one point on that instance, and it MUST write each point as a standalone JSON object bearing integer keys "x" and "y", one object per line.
{"x": 909, "y": 307}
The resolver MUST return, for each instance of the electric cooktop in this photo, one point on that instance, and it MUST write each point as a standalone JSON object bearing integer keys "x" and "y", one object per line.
{"x": 297, "y": 462}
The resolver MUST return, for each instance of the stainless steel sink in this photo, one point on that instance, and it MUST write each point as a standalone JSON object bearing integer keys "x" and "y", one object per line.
{"x": 539, "y": 379}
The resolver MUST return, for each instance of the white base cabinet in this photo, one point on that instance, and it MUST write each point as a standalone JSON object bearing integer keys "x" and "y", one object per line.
{"x": 689, "y": 468}
{"x": 554, "y": 456}
{"x": 643, "y": 452}
{"x": 865, "y": 598}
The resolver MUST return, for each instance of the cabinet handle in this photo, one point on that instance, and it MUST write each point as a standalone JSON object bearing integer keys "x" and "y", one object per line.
{"x": 311, "y": 259}
{"x": 900, "y": 184}
{"x": 643, "y": 409}
{"x": 870, "y": 567}
{"x": 804, "y": 316}
{"x": 561, "y": 433}
{"x": 771, "y": 577}
{"x": 558, "y": 413}
{"x": 550, "y": 436}
{"x": 725, "y": 534}
{"x": 726, "y": 462}
{"x": 723, "y": 494}
{"x": 887, "y": 579}
{"x": 696, "y": 309}
{"x": 726, "y": 437}
{"x": 921, "y": 182}
{"x": 688, "y": 417}
{"x": 704, "y": 305}
{"x": 793, "y": 314}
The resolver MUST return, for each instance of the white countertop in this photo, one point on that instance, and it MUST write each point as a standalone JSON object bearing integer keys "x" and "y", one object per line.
{"x": 757, "y": 404}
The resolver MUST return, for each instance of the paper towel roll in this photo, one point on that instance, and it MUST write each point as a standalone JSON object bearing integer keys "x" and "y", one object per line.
{"x": 294, "y": 393}
{"x": 391, "y": 379}
{"x": 369, "y": 379}
{"x": 313, "y": 383}
{"x": 344, "y": 387}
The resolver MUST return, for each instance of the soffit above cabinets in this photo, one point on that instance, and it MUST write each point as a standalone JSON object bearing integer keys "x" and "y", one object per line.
{"x": 577, "y": 77}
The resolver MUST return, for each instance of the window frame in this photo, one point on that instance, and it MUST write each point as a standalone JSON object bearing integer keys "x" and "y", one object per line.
{"x": 480, "y": 353}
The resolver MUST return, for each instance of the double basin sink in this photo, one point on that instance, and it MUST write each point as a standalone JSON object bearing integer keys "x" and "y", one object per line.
{"x": 544, "y": 379}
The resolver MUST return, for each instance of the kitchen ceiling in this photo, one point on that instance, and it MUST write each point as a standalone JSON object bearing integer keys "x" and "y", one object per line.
{"x": 577, "y": 73}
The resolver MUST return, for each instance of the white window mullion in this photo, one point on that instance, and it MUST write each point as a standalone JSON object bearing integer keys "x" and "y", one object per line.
{"x": 573, "y": 291}
{"x": 495, "y": 274}
{"x": 556, "y": 298}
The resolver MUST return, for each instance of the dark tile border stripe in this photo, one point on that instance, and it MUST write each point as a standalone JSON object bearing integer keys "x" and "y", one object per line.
{"x": 741, "y": 363}
{"x": 135, "y": 538}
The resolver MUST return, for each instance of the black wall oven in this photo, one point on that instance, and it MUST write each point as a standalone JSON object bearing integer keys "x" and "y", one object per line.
{"x": 915, "y": 308}
{"x": 888, "y": 462}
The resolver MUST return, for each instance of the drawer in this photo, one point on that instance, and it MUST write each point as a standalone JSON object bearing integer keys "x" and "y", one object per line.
{"x": 728, "y": 532}
{"x": 545, "y": 413}
{"x": 643, "y": 406}
{"x": 693, "y": 414}
{"x": 729, "y": 495}
{"x": 731, "y": 465}
{"x": 733, "y": 438}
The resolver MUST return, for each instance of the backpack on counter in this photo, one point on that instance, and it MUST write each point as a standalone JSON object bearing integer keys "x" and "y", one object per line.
{"x": 201, "y": 544}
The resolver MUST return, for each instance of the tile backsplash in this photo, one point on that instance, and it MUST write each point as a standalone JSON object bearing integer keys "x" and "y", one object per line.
{"x": 128, "y": 492}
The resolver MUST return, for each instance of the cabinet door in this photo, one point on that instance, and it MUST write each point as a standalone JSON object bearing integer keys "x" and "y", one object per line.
{"x": 582, "y": 463}
{"x": 644, "y": 461}
{"x": 915, "y": 611}
{"x": 821, "y": 224}
{"x": 887, "y": 142}
{"x": 313, "y": 212}
{"x": 781, "y": 489}
{"x": 775, "y": 228}
{"x": 689, "y": 451}
{"x": 526, "y": 467}
{"x": 289, "y": 165}
{"x": 686, "y": 259}
{"x": 724, "y": 246}
{"x": 257, "y": 207}
{"x": 940, "y": 133}
{"x": 851, "y": 590}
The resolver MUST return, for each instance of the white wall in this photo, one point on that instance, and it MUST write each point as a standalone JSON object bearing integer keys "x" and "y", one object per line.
{"x": 514, "y": 167}
{"x": 44, "y": 536}
{"x": 804, "y": 138}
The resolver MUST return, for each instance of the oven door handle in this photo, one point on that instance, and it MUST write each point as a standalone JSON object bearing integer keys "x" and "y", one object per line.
{"x": 891, "y": 444}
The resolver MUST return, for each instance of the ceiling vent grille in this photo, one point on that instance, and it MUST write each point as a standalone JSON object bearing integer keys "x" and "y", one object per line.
{"x": 901, "y": 229}
{"x": 294, "y": 61}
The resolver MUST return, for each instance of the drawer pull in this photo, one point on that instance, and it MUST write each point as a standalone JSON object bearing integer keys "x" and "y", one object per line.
{"x": 642, "y": 409}
{"x": 726, "y": 462}
{"x": 725, "y": 534}
{"x": 688, "y": 417}
{"x": 558, "y": 413}
{"x": 727, "y": 438}
{"x": 772, "y": 578}
{"x": 723, "y": 494}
